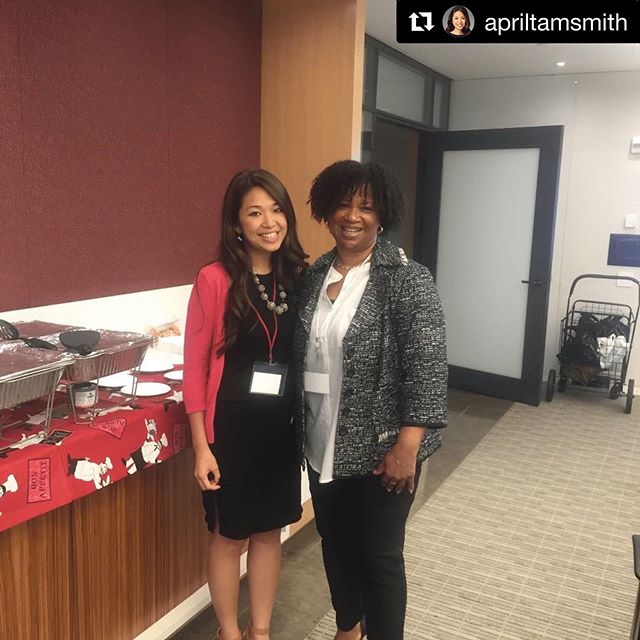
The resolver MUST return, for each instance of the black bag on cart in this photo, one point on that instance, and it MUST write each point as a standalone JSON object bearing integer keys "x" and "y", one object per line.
{"x": 581, "y": 344}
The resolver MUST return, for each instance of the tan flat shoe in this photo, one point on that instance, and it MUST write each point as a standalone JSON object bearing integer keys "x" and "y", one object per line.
{"x": 251, "y": 632}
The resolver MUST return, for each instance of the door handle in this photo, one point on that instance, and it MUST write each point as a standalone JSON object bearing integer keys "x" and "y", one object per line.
{"x": 535, "y": 283}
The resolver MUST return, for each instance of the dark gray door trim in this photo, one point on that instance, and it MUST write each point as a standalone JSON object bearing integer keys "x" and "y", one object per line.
{"x": 549, "y": 141}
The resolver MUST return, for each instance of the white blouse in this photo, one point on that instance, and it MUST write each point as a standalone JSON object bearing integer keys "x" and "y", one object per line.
{"x": 324, "y": 355}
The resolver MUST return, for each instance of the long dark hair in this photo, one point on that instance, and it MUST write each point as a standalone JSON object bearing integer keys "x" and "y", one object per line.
{"x": 288, "y": 262}
{"x": 467, "y": 22}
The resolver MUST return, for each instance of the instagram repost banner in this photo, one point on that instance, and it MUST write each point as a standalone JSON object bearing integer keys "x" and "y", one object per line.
{"x": 420, "y": 21}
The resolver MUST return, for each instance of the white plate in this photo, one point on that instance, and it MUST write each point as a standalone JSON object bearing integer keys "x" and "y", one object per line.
{"x": 116, "y": 380}
{"x": 174, "y": 375}
{"x": 155, "y": 365}
{"x": 146, "y": 389}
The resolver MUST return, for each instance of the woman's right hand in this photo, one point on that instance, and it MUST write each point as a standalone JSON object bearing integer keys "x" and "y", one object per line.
{"x": 207, "y": 472}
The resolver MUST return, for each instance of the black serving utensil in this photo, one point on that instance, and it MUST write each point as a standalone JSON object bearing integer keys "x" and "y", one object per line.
{"x": 81, "y": 341}
{"x": 39, "y": 343}
{"x": 9, "y": 331}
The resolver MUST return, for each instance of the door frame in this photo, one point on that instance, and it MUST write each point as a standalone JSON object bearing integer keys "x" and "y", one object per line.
{"x": 548, "y": 139}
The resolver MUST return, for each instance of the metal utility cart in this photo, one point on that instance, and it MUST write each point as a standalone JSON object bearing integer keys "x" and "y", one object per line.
{"x": 595, "y": 343}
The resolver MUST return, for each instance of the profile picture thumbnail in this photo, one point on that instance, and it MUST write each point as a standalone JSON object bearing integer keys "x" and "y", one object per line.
{"x": 458, "y": 21}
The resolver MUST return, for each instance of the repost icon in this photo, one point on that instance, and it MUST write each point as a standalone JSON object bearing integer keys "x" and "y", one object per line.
{"x": 421, "y": 21}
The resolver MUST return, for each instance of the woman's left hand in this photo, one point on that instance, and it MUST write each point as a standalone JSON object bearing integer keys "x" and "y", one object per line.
{"x": 398, "y": 467}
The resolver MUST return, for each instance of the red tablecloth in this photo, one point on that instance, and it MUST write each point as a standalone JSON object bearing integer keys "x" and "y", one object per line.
{"x": 75, "y": 459}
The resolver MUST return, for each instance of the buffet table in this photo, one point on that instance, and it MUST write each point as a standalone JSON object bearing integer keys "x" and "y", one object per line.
{"x": 102, "y": 529}
{"x": 39, "y": 474}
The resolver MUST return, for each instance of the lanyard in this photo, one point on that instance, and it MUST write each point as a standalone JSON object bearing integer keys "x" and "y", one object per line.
{"x": 271, "y": 339}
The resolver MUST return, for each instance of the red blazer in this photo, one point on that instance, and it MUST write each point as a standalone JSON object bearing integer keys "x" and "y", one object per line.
{"x": 204, "y": 333}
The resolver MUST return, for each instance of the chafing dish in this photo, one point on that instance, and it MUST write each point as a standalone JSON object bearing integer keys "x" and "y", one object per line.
{"x": 27, "y": 374}
{"x": 115, "y": 351}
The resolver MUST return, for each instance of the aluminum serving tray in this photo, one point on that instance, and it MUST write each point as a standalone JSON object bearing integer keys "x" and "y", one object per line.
{"x": 108, "y": 361}
{"x": 18, "y": 389}
{"x": 35, "y": 373}
{"x": 116, "y": 351}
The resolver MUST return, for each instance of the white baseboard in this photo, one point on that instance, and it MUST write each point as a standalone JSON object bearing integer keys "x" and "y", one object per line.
{"x": 178, "y": 617}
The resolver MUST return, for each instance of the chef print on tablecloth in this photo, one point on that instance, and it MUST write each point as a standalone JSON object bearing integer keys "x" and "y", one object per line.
{"x": 10, "y": 485}
{"x": 149, "y": 450}
{"x": 88, "y": 471}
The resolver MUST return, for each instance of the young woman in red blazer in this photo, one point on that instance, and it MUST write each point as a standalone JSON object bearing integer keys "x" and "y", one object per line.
{"x": 239, "y": 392}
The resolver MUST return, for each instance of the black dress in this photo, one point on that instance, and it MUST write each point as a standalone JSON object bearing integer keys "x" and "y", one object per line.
{"x": 254, "y": 436}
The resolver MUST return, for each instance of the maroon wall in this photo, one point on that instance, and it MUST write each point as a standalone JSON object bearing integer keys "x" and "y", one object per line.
{"x": 121, "y": 121}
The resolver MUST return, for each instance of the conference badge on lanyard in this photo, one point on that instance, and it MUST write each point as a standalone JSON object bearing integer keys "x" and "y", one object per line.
{"x": 268, "y": 378}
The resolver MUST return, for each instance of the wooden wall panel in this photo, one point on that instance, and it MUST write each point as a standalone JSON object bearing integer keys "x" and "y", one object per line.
{"x": 181, "y": 536}
{"x": 114, "y": 558}
{"x": 106, "y": 567}
{"x": 312, "y": 67}
{"x": 36, "y": 580}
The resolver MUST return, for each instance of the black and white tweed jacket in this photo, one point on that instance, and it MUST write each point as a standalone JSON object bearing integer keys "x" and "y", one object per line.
{"x": 394, "y": 361}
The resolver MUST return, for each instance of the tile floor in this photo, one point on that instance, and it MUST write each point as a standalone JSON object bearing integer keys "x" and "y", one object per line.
{"x": 303, "y": 598}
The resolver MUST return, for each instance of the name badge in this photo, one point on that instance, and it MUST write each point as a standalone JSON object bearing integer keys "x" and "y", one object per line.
{"x": 268, "y": 379}
{"x": 316, "y": 382}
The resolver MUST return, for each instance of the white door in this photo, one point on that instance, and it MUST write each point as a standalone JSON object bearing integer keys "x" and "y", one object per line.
{"x": 485, "y": 228}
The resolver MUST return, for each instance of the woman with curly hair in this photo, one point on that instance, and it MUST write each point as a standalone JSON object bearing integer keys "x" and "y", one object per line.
{"x": 372, "y": 378}
{"x": 239, "y": 395}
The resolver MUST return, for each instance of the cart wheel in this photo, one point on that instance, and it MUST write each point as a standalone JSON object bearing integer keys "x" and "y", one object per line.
{"x": 551, "y": 383}
{"x": 562, "y": 385}
{"x": 627, "y": 408}
{"x": 614, "y": 392}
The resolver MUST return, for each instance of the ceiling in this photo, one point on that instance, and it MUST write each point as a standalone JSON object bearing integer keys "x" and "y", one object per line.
{"x": 473, "y": 61}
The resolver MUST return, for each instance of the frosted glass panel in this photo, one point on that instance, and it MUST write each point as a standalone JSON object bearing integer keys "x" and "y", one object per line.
{"x": 400, "y": 90}
{"x": 484, "y": 250}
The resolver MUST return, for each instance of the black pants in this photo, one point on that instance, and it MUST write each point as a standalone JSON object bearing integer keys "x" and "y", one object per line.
{"x": 362, "y": 527}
